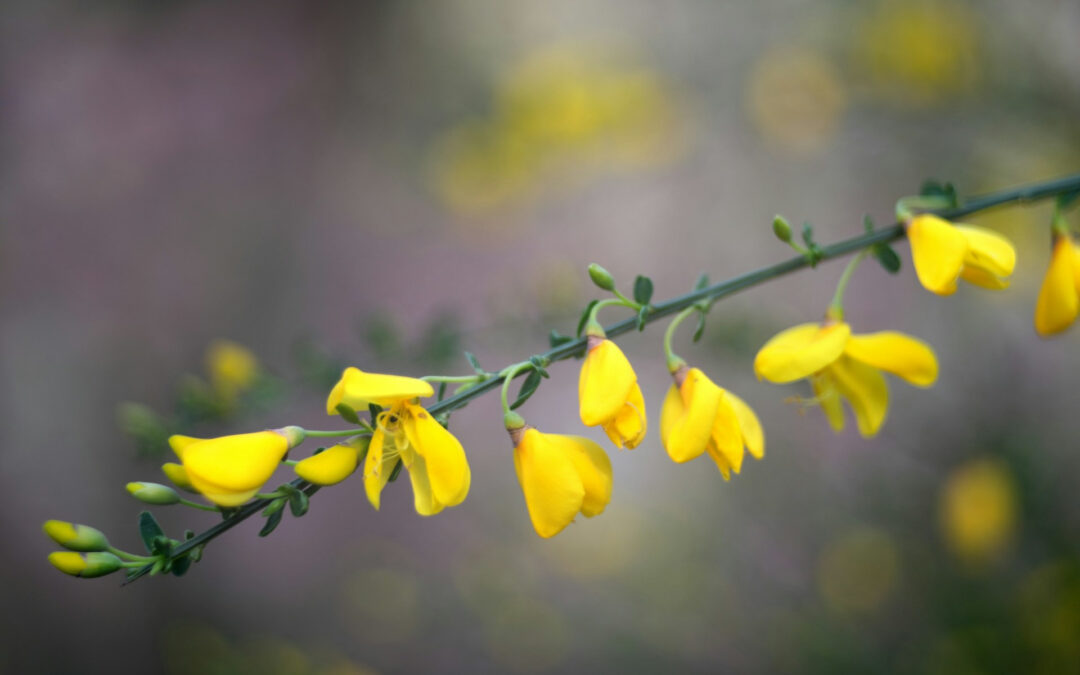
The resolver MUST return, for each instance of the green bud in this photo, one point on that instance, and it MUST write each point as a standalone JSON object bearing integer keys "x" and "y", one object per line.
{"x": 782, "y": 229}
{"x": 153, "y": 493}
{"x": 85, "y": 565}
{"x": 75, "y": 537}
{"x": 513, "y": 420}
{"x": 601, "y": 277}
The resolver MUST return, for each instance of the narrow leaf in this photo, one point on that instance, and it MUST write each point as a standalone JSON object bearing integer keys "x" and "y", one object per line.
{"x": 298, "y": 503}
{"x": 347, "y": 413}
{"x": 700, "y": 330}
{"x": 643, "y": 290}
{"x": 180, "y": 566}
{"x": 532, "y": 381}
{"x": 374, "y": 410}
{"x": 887, "y": 257}
{"x": 555, "y": 339}
{"x": 395, "y": 472}
{"x": 702, "y": 282}
{"x": 149, "y": 530}
{"x": 471, "y": 358}
{"x": 442, "y": 391}
{"x": 642, "y": 313}
{"x": 585, "y": 316}
{"x": 274, "y": 507}
{"x": 868, "y": 223}
{"x": 271, "y": 523}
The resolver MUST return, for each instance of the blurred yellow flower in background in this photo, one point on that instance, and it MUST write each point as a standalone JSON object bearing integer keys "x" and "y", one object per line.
{"x": 567, "y": 110}
{"x": 796, "y": 99}
{"x": 918, "y": 52}
{"x": 978, "y": 510}
{"x": 233, "y": 368}
{"x": 840, "y": 364}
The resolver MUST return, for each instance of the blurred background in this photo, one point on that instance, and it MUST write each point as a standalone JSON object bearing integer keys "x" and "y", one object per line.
{"x": 386, "y": 184}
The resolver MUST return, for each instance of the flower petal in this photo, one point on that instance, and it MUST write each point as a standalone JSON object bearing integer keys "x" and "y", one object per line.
{"x": 686, "y": 421}
{"x": 239, "y": 462}
{"x": 357, "y": 389}
{"x": 1059, "y": 302}
{"x": 447, "y": 467}
{"x": 828, "y": 397}
{"x": 604, "y": 384}
{"x": 752, "y": 433}
{"x": 332, "y": 465}
{"x": 983, "y": 279}
{"x": 988, "y": 250}
{"x": 424, "y": 499}
{"x": 378, "y": 466}
{"x": 552, "y": 487}
{"x": 629, "y": 425}
{"x": 937, "y": 251}
{"x": 593, "y": 467}
{"x": 726, "y": 435}
{"x": 721, "y": 461}
{"x": 179, "y": 443}
{"x": 865, "y": 389}
{"x": 902, "y": 355}
{"x": 801, "y": 351}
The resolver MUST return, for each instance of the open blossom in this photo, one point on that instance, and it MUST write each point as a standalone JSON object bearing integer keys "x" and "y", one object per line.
{"x": 1059, "y": 296}
{"x": 944, "y": 253}
{"x": 229, "y": 470}
{"x": 560, "y": 476}
{"x": 841, "y": 365}
{"x": 405, "y": 432}
{"x": 698, "y": 417}
{"x": 609, "y": 394}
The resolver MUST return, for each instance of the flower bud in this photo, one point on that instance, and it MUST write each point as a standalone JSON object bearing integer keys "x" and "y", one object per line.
{"x": 153, "y": 493}
{"x": 178, "y": 475}
{"x": 601, "y": 277}
{"x": 781, "y": 229}
{"x": 75, "y": 537}
{"x": 85, "y": 565}
{"x": 333, "y": 464}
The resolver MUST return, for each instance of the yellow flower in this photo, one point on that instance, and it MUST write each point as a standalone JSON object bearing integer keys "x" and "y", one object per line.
{"x": 86, "y": 565}
{"x": 609, "y": 394}
{"x": 333, "y": 464}
{"x": 699, "y": 416}
{"x": 841, "y": 364}
{"x": 229, "y": 470}
{"x": 943, "y": 253}
{"x": 1059, "y": 297}
{"x": 178, "y": 475}
{"x": 405, "y": 432}
{"x": 232, "y": 367}
{"x": 560, "y": 476}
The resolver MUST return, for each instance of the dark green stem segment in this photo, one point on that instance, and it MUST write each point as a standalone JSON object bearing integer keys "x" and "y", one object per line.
{"x": 1021, "y": 195}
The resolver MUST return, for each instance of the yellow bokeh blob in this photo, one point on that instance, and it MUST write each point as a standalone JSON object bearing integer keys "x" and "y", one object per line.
{"x": 978, "y": 507}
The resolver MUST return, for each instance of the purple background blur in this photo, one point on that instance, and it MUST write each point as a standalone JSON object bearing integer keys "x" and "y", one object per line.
{"x": 176, "y": 172}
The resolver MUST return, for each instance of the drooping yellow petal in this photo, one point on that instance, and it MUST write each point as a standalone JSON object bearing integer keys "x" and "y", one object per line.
{"x": 987, "y": 250}
{"x": 424, "y": 499}
{"x": 1059, "y": 296}
{"x": 686, "y": 421}
{"x": 378, "y": 466}
{"x": 727, "y": 436}
{"x": 629, "y": 425}
{"x": 604, "y": 384}
{"x": 828, "y": 397}
{"x": 178, "y": 443}
{"x": 446, "y": 465}
{"x": 896, "y": 353}
{"x": 752, "y": 433}
{"x": 721, "y": 461}
{"x": 238, "y": 464}
{"x": 357, "y": 389}
{"x": 553, "y": 490}
{"x": 178, "y": 475}
{"x": 801, "y": 351}
{"x": 593, "y": 467}
{"x": 937, "y": 251}
{"x": 865, "y": 389}
{"x": 332, "y": 465}
{"x": 983, "y": 279}
{"x": 1076, "y": 263}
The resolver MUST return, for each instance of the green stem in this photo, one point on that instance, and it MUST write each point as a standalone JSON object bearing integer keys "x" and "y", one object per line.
{"x": 836, "y": 307}
{"x": 1021, "y": 195}
{"x": 329, "y": 434}
{"x": 674, "y": 361}
{"x": 138, "y": 559}
{"x": 511, "y": 373}
{"x": 452, "y": 379}
{"x": 593, "y": 326}
{"x": 196, "y": 505}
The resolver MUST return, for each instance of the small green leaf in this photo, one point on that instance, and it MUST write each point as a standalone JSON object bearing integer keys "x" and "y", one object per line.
{"x": 471, "y": 358}
{"x": 274, "y": 506}
{"x": 149, "y": 530}
{"x": 374, "y": 410}
{"x": 347, "y": 413}
{"x": 532, "y": 381}
{"x": 161, "y": 546}
{"x": 868, "y": 223}
{"x": 180, "y": 566}
{"x": 700, "y": 330}
{"x": 946, "y": 192}
{"x": 298, "y": 503}
{"x": 643, "y": 290}
{"x": 159, "y": 565}
{"x": 585, "y": 316}
{"x": 642, "y": 313}
{"x": 538, "y": 365}
{"x": 887, "y": 257}
{"x": 442, "y": 391}
{"x": 271, "y": 523}
{"x": 395, "y": 472}
{"x": 555, "y": 339}
{"x": 702, "y": 282}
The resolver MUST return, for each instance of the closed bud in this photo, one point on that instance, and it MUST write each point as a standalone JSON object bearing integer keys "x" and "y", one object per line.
{"x": 75, "y": 537}
{"x": 153, "y": 493}
{"x": 781, "y": 229}
{"x": 601, "y": 277}
{"x": 85, "y": 565}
